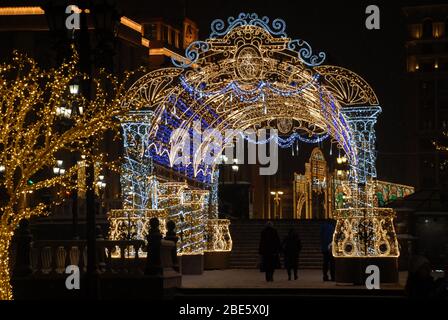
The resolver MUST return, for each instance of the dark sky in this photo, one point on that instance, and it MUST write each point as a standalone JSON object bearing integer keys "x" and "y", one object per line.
{"x": 338, "y": 29}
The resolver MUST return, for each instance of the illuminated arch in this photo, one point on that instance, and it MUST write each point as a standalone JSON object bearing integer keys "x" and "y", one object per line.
{"x": 248, "y": 78}
{"x": 248, "y": 75}
{"x": 348, "y": 88}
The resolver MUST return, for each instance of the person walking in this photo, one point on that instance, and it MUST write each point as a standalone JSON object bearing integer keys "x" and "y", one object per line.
{"x": 269, "y": 249}
{"x": 291, "y": 249}
{"x": 326, "y": 239}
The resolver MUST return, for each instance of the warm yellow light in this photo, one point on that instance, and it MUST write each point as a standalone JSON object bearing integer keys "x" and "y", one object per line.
{"x": 131, "y": 24}
{"x": 273, "y": 193}
{"x": 145, "y": 42}
{"x": 280, "y": 193}
{"x": 168, "y": 53}
{"x": 20, "y": 11}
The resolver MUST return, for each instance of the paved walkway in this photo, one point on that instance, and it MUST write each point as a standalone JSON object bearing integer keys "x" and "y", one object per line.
{"x": 252, "y": 278}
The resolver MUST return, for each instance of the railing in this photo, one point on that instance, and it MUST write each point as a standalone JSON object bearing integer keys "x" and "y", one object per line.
{"x": 52, "y": 257}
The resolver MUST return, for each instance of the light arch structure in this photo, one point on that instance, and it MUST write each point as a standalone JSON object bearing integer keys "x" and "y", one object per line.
{"x": 247, "y": 75}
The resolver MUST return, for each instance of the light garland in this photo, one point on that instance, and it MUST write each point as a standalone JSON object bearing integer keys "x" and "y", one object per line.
{"x": 33, "y": 135}
{"x": 248, "y": 75}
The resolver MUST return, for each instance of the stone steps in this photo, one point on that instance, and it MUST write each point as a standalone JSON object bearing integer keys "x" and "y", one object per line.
{"x": 246, "y": 237}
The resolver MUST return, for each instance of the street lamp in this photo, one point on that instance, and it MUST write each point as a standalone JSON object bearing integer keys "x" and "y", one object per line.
{"x": 235, "y": 166}
{"x": 277, "y": 204}
{"x": 74, "y": 89}
{"x": 58, "y": 169}
{"x": 341, "y": 160}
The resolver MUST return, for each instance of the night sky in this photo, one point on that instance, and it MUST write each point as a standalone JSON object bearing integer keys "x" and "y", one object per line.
{"x": 338, "y": 29}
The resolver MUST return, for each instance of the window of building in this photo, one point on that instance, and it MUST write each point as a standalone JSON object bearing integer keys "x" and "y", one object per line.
{"x": 151, "y": 31}
{"x": 173, "y": 37}
{"x": 427, "y": 29}
{"x": 165, "y": 33}
{"x": 443, "y": 102}
{"x": 426, "y": 66}
{"x": 446, "y": 28}
{"x": 427, "y": 48}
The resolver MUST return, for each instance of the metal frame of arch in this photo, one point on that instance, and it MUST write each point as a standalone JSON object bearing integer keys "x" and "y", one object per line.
{"x": 248, "y": 75}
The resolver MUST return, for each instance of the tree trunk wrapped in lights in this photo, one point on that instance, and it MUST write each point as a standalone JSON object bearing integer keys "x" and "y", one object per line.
{"x": 40, "y": 119}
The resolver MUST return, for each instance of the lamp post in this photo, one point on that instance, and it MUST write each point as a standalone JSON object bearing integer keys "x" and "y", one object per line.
{"x": 277, "y": 203}
{"x": 104, "y": 18}
{"x": 101, "y": 185}
{"x": 235, "y": 169}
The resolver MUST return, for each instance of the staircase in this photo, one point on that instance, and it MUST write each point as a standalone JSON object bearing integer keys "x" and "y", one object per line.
{"x": 246, "y": 236}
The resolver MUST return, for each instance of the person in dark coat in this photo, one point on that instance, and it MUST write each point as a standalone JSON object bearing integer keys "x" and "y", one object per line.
{"x": 269, "y": 250}
{"x": 291, "y": 249}
{"x": 326, "y": 239}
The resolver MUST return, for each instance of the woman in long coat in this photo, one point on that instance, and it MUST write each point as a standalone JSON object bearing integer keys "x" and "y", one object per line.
{"x": 291, "y": 248}
{"x": 269, "y": 250}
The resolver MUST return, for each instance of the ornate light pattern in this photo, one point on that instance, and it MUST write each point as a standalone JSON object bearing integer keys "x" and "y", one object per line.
{"x": 365, "y": 232}
{"x": 218, "y": 235}
{"x": 297, "y": 47}
{"x": 387, "y": 192}
{"x": 250, "y": 75}
{"x": 347, "y": 87}
{"x": 242, "y": 80}
{"x": 137, "y": 182}
{"x": 175, "y": 201}
{"x": 33, "y": 135}
{"x": 362, "y": 121}
{"x": 317, "y": 181}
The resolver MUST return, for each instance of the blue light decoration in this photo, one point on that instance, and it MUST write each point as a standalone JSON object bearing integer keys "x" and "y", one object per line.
{"x": 362, "y": 120}
{"x": 249, "y": 96}
{"x": 219, "y": 29}
{"x": 137, "y": 189}
{"x": 300, "y": 47}
{"x": 288, "y": 142}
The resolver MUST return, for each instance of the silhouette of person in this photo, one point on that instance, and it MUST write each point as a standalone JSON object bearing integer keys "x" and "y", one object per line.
{"x": 420, "y": 284}
{"x": 326, "y": 238}
{"x": 291, "y": 248}
{"x": 269, "y": 249}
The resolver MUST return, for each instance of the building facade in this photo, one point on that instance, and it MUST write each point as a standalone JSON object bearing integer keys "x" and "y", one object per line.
{"x": 426, "y": 92}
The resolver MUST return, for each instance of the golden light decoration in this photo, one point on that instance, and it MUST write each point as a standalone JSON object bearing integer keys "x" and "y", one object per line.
{"x": 439, "y": 146}
{"x": 127, "y": 224}
{"x": 348, "y": 87}
{"x": 250, "y": 75}
{"x": 365, "y": 232}
{"x": 175, "y": 201}
{"x": 248, "y": 78}
{"x": 218, "y": 235}
{"x": 34, "y": 135}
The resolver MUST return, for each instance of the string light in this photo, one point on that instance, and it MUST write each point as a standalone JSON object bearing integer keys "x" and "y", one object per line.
{"x": 321, "y": 101}
{"x": 31, "y": 137}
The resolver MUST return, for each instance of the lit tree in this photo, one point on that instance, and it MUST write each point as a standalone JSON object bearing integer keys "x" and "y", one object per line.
{"x": 33, "y": 103}
{"x": 442, "y": 147}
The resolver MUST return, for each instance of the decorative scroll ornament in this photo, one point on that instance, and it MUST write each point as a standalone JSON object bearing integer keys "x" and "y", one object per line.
{"x": 219, "y": 29}
{"x": 192, "y": 53}
{"x": 276, "y": 30}
{"x": 305, "y": 53}
{"x": 348, "y": 87}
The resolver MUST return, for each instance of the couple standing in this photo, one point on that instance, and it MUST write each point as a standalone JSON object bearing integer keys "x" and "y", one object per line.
{"x": 270, "y": 248}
